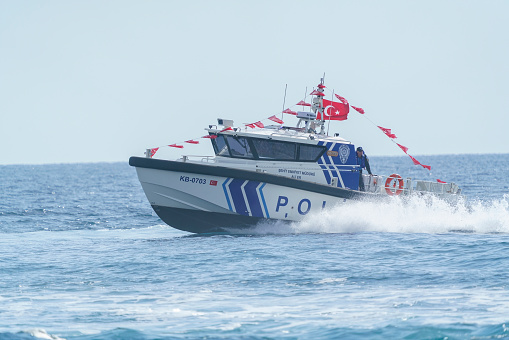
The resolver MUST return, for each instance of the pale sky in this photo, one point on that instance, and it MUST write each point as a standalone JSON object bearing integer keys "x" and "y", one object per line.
{"x": 93, "y": 81}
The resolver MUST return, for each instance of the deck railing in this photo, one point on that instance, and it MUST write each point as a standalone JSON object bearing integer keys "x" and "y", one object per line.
{"x": 197, "y": 158}
{"x": 396, "y": 185}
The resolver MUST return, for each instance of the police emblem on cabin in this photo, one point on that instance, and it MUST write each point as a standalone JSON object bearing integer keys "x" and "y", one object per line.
{"x": 344, "y": 152}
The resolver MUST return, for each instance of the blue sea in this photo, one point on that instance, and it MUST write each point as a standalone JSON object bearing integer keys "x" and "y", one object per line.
{"x": 83, "y": 256}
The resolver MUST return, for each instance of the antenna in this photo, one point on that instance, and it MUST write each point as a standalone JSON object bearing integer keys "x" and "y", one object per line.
{"x": 284, "y": 100}
{"x": 323, "y": 111}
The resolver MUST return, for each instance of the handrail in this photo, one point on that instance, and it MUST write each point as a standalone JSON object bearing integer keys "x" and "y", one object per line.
{"x": 377, "y": 184}
{"x": 200, "y": 158}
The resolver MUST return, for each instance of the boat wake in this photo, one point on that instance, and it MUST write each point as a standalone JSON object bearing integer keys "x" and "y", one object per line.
{"x": 426, "y": 214}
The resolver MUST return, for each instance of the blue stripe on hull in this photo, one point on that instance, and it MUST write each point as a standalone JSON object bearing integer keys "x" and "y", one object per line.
{"x": 226, "y": 194}
{"x": 252, "y": 198}
{"x": 238, "y": 197}
{"x": 263, "y": 200}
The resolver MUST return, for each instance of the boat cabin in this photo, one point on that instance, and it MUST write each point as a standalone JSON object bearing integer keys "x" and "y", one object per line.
{"x": 289, "y": 152}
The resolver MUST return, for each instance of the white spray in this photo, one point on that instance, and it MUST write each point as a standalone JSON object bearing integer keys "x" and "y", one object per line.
{"x": 426, "y": 214}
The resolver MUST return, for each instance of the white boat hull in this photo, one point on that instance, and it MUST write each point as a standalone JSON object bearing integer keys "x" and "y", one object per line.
{"x": 206, "y": 198}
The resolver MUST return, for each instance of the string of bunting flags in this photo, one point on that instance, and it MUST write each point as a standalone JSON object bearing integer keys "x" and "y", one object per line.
{"x": 180, "y": 145}
{"x": 392, "y": 136}
{"x": 339, "y": 111}
{"x": 332, "y": 111}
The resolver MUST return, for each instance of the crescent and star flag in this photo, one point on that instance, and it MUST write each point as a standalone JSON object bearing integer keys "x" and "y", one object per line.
{"x": 317, "y": 93}
{"x": 192, "y": 141}
{"x": 153, "y": 152}
{"x": 416, "y": 162}
{"x": 290, "y": 112}
{"x": 387, "y": 132}
{"x": 334, "y": 111}
{"x": 404, "y": 148}
{"x": 358, "y": 109}
{"x": 303, "y": 103}
{"x": 176, "y": 146}
{"x": 252, "y": 126}
{"x": 343, "y": 100}
{"x": 259, "y": 124}
{"x": 440, "y": 181}
{"x": 210, "y": 136}
{"x": 275, "y": 119}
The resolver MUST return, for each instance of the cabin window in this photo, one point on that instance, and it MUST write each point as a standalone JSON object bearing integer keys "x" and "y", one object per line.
{"x": 220, "y": 146}
{"x": 265, "y": 149}
{"x": 310, "y": 152}
{"x": 271, "y": 149}
{"x": 239, "y": 147}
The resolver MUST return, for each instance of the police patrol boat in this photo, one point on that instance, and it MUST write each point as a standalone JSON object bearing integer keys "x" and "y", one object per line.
{"x": 269, "y": 173}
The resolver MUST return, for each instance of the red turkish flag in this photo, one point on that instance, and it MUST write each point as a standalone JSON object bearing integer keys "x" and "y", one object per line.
{"x": 343, "y": 100}
{"x": 259, "y": 124}
{"x": 440, "y": 181}
{"x": 388, "y": 133}
{"x": 334, "y": 110}
{"x": 358, "y": 109}
{"x": 317, "y": 93}
{"x": 252, "y": 126}
{"x": 290, "y": 112}
{"x": 275, "y": 119}
{"x": 303, "y": 103}
{"x": 192, "y": 141}
{"x": 176, "y": 146}
{"x": 404, "y": 148}
{"x": 153, "y": 152}
{"x": 416, "y": 162}
{"x": 210, "y": 136}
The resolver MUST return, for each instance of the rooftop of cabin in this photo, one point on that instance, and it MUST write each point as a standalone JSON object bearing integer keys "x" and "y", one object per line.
{"x": 283, "y": 133}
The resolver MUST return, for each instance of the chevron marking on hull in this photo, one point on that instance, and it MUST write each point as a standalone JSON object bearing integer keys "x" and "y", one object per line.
{"x": 252, "y": 198}
{"x": 244, "y": 196}
{"x": 227, "y": 195}
{"x": 239, "y": 203}
{"x": 260, "y": 190}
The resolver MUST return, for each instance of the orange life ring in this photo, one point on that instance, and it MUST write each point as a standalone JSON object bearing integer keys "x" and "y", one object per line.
{"x": 388, "y": 183}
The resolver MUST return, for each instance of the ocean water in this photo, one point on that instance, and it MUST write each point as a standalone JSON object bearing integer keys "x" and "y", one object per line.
{"x": 83, "y": 256}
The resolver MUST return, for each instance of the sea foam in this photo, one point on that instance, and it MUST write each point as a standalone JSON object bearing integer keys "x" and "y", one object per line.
{"x": 418, "y": 214}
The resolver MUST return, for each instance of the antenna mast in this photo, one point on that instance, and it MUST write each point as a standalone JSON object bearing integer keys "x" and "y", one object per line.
{"x": 284, "y": 101}
{"x": 318, "y": 104}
